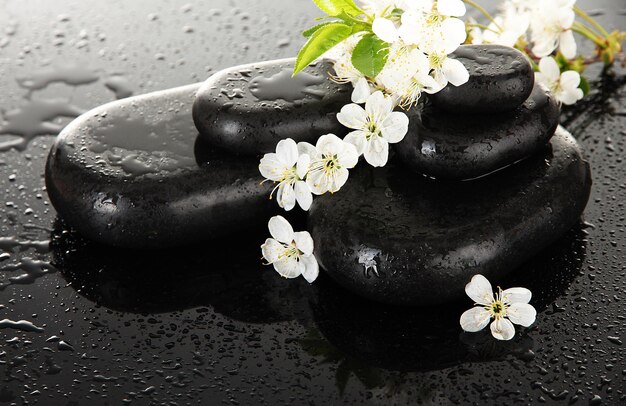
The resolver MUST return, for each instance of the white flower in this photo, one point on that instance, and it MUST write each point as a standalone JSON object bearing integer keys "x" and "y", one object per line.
{"x": 406, "y": 75}
{"x": 375, "y": 127}
{"x": 289, "y": 169}
{"x": 290, "y": 253}
{"x": 564, "y": 86}
{"x": 331, "y": 158}
{"x": 550, "y": 25}
{"x": 427, "y": 22}
{"x": 507, "y": 307}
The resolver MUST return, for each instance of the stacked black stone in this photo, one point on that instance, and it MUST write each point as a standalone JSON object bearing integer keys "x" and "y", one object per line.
{"x": 398, "y": 238}
{"x": 497, "y": 118}
{"x": 135, "y": 173}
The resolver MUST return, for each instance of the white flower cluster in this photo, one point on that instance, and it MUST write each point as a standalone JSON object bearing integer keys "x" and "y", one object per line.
{"x": 544, "y": 26}
{"x": 420, "y": 36}
{"x": 549, "y": 24}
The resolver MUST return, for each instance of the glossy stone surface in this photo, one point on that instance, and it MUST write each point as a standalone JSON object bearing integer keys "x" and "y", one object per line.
{"x": 447, "y": 146}
{"x": 133, "y": 173}
{"x": 501, "y": 78}
{"x": 395, "y": 238}
{"x": 248, "y": 109}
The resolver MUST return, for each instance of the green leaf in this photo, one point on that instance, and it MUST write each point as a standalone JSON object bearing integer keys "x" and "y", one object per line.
{"x": 309, "y": 32}
{"x": 322, "y": 40}
{"x": 370, "y": 55}
{"x": 336, "y": 7}
{"x": 584, "y": 85}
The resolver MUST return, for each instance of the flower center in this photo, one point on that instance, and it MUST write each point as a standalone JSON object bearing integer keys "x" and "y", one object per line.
{"x": 372, "y": 129}
{"x": 290, "y": 176}
{"x": 436, "y": 60}
{"x": 330, "y": 163}
{"x": 497, "y": 309}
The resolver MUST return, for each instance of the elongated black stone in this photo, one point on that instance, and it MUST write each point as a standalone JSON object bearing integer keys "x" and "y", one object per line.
{"x": 395, "y": 238}
{"x": 248, "y": 109}
{"x": 133, "y": 173}
{"x": 501, "y": 78}
{"x": 448, "y": 146}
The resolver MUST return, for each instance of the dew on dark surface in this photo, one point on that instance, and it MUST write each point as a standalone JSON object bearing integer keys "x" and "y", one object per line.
{"x": 83, "y": 324}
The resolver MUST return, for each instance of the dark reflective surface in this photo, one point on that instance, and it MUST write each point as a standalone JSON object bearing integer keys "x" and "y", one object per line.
{"x": 209, "y": 324}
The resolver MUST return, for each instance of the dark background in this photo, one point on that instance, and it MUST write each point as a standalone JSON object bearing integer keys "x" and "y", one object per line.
{"x": 209, "y": 324}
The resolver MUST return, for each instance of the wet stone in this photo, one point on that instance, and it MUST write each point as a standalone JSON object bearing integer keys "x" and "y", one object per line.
{"x": 396, "y": 238}
{"x": 133, "y": 173}
{"x": 248, "y": 109}
{"x": 501, "y": 78}
{"x": 447, "y": 146}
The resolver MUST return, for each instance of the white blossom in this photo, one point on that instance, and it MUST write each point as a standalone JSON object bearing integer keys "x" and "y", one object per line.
{"x": 550, "y": 25}
{"x": 290, "y": 252}
{"x": 376, "y": 126}
{"x": 289, "y": 168}
{"x": 564, "y": 86}
{"x": 331, "y": 157}
{"x": 508, "y": 307}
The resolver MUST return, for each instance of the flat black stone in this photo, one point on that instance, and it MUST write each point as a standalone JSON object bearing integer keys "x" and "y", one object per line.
{"x": 133, "y": 173}
{"x": 395, "y": 238}
{"x": 248, "y": 109}
{"x": 501, "y": 78}
{"x": 447, "y": 146}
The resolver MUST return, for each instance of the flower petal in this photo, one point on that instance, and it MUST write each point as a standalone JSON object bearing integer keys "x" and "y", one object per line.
{"x": 286, "y": 197}
{"x": 317, "y": 182}
{"x": 377, "y": 152}
{"x": 272, "y": 250}
{"x": 378, "y": 107}
{"x": 271, "y": 167}
{"x": 570, "y": 80}
{"x": 304, "y": 242}
{"x": 395, "y": 127}
{"x": 475, "y": 319}
{"x": 329, "y": 144}
{"x": 361, "y": 91}
{"x": 479, "y": 290}
{"x": 353, "y": 116}
{"x": 358, "y": 139}
{"x": 311, "y": 268}
{"x": 453, "y": 8}
{"x": 303, "y": 195}
{"x": 516, "y": 295}
{"x": 522, "y": 314}
{"x": 567, "y": 44}
{"x": 502, "y": 329}
{"x": 308, "y": 149}
{"x": 339, "y": 179}
{"x": 349, "y": 156}
{"x": 288, "y": 267}
{"x": 385, "y": 29}
{"x": 455, "y": 71}
{"x": 287, "y": 152}
{"x": 302, "y": 167}
{"x": 550, "y": 69}
{"x": 280, "y": 229}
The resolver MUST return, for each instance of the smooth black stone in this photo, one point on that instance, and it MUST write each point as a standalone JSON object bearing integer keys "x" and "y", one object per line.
{"x": 448, "y": 146}
{"x": 248, "y": 109}
{"x": 133, "y": 173}
{"x": 501, "y": 78}
{"x": 395, "y": 238}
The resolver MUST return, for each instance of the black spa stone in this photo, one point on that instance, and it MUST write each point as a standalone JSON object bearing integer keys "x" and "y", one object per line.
{"x": 501, "y": 78}
{"x": 132, "y": 173}
{"x": 248, "y": 109}
{"x": 392, "y": 237}
{"x": 448, "y": 146}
